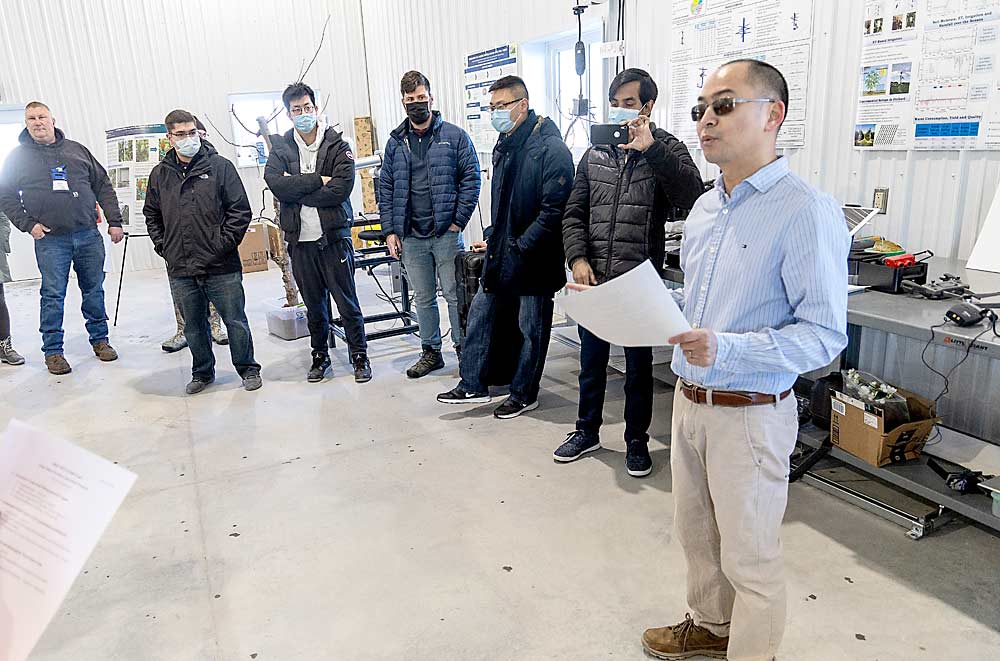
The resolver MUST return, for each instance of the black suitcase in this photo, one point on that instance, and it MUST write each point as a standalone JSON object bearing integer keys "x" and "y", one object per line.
{"x": 505, "y": 345}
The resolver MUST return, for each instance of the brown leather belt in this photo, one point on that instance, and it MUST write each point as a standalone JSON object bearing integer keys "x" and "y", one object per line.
{"x": 731, "y": 398}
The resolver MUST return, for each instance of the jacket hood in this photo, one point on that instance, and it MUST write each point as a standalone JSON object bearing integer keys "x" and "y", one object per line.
{"x": 26, "y": 139}
{"x": 207, "y": 150}
{"x": 330, "y": 134}
{"x": 400, "y": 131}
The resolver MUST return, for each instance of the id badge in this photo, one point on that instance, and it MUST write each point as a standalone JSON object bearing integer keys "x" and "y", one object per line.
{"x": 60, "y": 182}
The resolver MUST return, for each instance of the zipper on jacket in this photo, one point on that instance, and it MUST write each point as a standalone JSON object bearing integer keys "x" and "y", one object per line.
{"x": 614, "y": 216}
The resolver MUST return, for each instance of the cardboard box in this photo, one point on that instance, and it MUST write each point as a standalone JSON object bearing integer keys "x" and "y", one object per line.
{"x": 858, "y": 428}
{"x": 364, "y": 136}
{"x": 368, "y": 192}
{"x": 253, "y": 248}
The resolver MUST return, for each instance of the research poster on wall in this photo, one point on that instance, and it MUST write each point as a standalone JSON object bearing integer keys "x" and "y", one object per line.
{"x": 132, "y": 153}
{"x": 929, "y": 75}
{"x": 482, "y": 69}
{"x": 708, "y": 34}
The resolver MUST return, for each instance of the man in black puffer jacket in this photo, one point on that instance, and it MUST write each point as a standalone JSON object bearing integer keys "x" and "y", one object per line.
{"x": 196, "y": 213}
{"x": 532, "y": 178}
{"x": 614, "y": 221}
{"x": 311, "y": 172}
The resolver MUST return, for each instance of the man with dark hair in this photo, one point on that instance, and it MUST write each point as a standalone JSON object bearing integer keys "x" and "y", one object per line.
{"x": 532, "y": 179}
{"x": 50, "y": 188}
{"x": 197, "y": 212}
{"x": 765, "y": 261}
{"x": 311, "y": 172}
{"x": 622, "y": 198}
{"x": 428, "y": 191}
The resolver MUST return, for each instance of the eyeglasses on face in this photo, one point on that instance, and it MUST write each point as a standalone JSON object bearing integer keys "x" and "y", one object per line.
{"x": 307, "y": 109}
{"x": 722, "y": 106}
{"x": 180, "y": 135}
{"x": 502, "y": 106}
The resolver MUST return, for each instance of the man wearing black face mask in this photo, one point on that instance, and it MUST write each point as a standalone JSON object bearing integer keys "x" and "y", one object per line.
{"x": 614, "y": 221}
{"x": 428, "y": 190}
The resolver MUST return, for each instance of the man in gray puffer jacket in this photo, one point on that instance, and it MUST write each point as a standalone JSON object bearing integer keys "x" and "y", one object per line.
{"x": 614, "y": 220}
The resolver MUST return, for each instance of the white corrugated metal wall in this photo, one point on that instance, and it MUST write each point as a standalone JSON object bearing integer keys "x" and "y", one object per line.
{"x": 118, "y": 62}
{"x": 112, "y": 63}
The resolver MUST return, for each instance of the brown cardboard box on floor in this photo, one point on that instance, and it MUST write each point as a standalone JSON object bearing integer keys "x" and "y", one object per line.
{"x": 368, "y": 192}
{"x": 253, "y": 248}
{"x": 364, "y": 135}
{"x": 858, "y": 428}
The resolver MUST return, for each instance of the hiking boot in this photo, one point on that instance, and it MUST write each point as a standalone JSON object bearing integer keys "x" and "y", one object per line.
{"x": 637, "y": 460}
{"x": 362, "y": 368}
{"x": 219, "y": 334}
{"x": 459, "y": 395}
{"x": 252, "y": 381}
{"x": 512, "y": 408}
{"x": 197, "y": 385}
{"x": 683, "y": 641}
{"x": 430, "y": 360}
{"x": 576, "y": 445}
{"x": 104, "y": 352}
{"x": 176, "y": 343}
{"x": 57, "y": 364}
{"x": 321, "y": 363}
{"x": 7, "y": 353}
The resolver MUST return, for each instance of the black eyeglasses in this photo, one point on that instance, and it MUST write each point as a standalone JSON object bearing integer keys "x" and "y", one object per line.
{"x": 502, "y": 106}
{"x": 722, "y": 106}
{"x": 185, "y": 134}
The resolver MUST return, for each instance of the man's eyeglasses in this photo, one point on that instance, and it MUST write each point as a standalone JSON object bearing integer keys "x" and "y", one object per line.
{"x": 722, "y": 106}
{"x": 502, "y": 106}
{"x": 302, "y": 110}
{"x": 180, "y": 135}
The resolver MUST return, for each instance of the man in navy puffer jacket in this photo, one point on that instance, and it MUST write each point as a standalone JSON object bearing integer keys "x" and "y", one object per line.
{"x": 428, "y": 190}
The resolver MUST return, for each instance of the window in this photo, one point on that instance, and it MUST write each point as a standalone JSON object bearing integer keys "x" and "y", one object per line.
{"x": 565, "y": 87}
{"x": 246, "y": 109}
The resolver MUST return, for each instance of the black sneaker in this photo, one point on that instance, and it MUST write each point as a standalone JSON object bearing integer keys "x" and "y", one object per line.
{"x": 429, "y": 361}
{"x": 512, "y": 408}
{"x": 362, "y": 368}
{"x": 637, "y": 461}
{"x": 320, "y": 364}
{"x": 197, "y": 385}
{"x": 252, "y": 381}
{"x": 458, "y": 395}
{"x": 576, "y": 445}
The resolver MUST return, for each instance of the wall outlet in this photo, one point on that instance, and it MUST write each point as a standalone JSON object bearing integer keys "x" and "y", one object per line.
{"x": 881, "y": 199}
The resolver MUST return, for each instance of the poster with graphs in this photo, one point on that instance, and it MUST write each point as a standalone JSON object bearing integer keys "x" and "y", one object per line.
{"x": 929, "y": 75}
{"x": 707, "y": 34}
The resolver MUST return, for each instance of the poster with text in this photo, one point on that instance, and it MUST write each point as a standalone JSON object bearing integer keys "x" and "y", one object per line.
{"x": 132, "y": 152}
{"x": 482, "y": 69}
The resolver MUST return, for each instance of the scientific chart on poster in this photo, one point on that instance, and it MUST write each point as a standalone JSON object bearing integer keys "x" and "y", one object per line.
{"x": 707, "y": 34}
{"x": 132, "y": 153}
{"x": 482, "y": 69}
{"x": 929, "y": 76}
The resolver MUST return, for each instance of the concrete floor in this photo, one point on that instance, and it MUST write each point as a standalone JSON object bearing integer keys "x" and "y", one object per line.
{"x": 344, "y": 521}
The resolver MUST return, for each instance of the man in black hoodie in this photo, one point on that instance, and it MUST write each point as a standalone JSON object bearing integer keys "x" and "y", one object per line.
{"x": 50, "y": 188}
{"x": 532, "y": 178}
{"x": 197, "y": 212}
{"x": 614, "y": 221}
{"x": 311, "y": 172}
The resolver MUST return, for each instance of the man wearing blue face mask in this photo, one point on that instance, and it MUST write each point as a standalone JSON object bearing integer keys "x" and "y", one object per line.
{"x": 311, "y": 172}
{"x": 428, "y": 191}
{"x": 614, "y": 221}
{"x": 197, "y": 212}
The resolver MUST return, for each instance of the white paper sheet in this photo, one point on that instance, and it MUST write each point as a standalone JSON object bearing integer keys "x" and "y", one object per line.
{"x": 633, "y": 310}
{"x": 56, "y": 499}
{"x": 986, "y": 253}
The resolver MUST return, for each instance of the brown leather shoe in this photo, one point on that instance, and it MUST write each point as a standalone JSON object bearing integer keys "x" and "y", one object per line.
{"x": 104, "y": 351}
{"x": 683, "y": 641}
{"x": 57, "y": 364}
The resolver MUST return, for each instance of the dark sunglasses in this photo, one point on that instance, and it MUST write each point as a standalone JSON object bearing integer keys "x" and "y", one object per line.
{"x": 722, "y": 106}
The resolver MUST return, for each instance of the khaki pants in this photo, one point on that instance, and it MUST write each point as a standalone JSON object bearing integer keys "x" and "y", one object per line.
{"x": 730, "y": 485}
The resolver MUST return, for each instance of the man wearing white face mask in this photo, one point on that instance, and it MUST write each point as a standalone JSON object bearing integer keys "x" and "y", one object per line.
{"x": 197, "y": 212}
{"x": 614, "y": 221}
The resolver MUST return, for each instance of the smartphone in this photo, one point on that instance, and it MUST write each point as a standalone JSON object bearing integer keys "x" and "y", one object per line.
{"x": 608, "y": 134}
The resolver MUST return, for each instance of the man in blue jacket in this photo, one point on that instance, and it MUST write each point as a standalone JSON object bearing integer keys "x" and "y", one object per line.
{"x": 532, "y": 179}
{"x": 50, "y": 188}
{"x": 428, "y": 190}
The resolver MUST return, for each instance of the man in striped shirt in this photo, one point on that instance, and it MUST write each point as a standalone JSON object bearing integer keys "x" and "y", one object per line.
{"x": 765, "y": 290}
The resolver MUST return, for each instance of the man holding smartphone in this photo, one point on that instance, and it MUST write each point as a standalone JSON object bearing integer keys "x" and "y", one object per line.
{"x": 622, "y": 198}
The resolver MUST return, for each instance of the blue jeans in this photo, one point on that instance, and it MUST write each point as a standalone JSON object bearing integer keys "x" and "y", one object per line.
{"x": 594, "y": 356}
{"x": 84, "y": 250}
{"x": 535, "y": 322}
{"x": 430, "y": 262}
{"x": 225, "y": 292}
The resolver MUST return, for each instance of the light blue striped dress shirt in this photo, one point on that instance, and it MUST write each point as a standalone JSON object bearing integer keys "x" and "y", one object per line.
{"x": 766, "y": 269}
